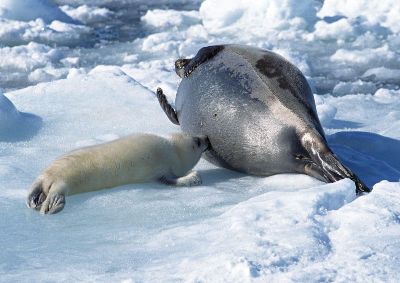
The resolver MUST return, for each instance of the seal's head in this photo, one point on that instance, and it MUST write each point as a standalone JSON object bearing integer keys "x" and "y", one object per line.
{"x": 180, "y": 67}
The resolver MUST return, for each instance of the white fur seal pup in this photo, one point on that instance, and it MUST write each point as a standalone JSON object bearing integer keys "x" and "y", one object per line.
{"x": 133, "y": 159}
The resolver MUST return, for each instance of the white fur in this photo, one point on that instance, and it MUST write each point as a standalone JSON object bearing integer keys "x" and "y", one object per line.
{"x": 133, "y": 159}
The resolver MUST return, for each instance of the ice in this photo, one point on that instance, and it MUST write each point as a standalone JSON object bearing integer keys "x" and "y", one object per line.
{"x": 382, "y": 74}
{"x": 87, "y": 14}
{"x": 27, "y": 10}
{"x": 14, "y": 33}
{"x": 387, "y": 96}
{"x": 16, "y": 125}
{"x": 258, "y": 17}
{"x": 233, "y": 227}
{"x": 341, "y": 29}
{"x": 326, "y": 113}
{"x": 29, "y": 63}
{"x": 93, "y": 67}
{"x": 170, "y": 18}
{"x": 382, "y": 55}
{"x": 385, "y": 13}
{"x": 358, "y": 86}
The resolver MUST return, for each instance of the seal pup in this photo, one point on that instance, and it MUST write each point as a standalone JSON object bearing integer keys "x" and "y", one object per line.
{"x": 132, "y": 159}
{"x": 258, "y": 111}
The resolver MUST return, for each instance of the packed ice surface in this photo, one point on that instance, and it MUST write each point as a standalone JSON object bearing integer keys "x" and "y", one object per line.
{"x": 234, "y": 227}
{"x": 375, "y": 12}
{"x": 28, "y": 10}
{"x": 16, "y": 125}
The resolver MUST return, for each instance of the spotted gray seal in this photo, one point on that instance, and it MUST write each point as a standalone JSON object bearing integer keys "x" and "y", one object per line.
{"x": 258, "y": 112}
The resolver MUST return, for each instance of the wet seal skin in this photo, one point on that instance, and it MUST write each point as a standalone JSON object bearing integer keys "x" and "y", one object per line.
{"x": 258, "y": 111}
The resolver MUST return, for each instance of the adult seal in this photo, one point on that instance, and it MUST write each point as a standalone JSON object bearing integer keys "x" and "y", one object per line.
{"x": 258, "y": 112}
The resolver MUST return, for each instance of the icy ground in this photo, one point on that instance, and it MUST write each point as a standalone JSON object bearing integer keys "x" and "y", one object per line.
{"x": 233, "y": 228}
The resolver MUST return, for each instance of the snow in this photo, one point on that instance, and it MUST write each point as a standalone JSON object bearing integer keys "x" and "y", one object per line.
{"x": 256, "y": 16}
{"x": 69, "y": 81}
{"x": 87, "y": 14}
{"x": 170, "y": 18}
{"x": 26, "y": 10}
{"x": 15, "y": 125}
{"x": 358, "y": 86}
{"x": 385, "y": 13}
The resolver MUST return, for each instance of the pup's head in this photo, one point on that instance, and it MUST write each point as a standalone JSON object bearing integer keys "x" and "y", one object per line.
{"x": 189, "y": 149}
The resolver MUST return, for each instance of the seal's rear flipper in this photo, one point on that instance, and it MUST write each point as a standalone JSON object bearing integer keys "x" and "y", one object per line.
{"x": 168, "y": 109}
{"x": 327, "y": 163}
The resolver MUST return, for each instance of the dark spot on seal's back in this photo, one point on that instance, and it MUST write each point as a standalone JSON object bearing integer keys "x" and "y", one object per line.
{"x": 272, "y": 69}
{"x": 287, "y": 78}
{"x": 268, "y": 69}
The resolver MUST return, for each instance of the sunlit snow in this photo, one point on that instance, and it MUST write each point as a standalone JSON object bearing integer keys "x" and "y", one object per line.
{"x": 78, "y": 73}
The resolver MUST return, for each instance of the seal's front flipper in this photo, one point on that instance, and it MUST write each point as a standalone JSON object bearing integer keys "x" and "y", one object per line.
{"x": 204, "y": 54}
{"x": 191, "y": 179}
{"x": 54, "y": 203}
{"x": 55, "y": 200}
{"x": 327, "y": 163}
{"x": 36, "y": 195}
{"x": 168, "y": 109}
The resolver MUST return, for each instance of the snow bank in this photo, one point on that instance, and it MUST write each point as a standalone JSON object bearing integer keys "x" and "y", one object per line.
{"x": 326, "y": 113}
{"x": 170, "y": 18}
{"x": 382, "y": 74}
{"x": 16, "y": 125}
{"x": 375, "y": 12}
{"x": 30, "y": 63}
{"x": 123, "y": 3}
{"x": 359, "y": 86}
{"x": 39, "y": 21}
{"x": 259, "y": 225}
{"x": 17, "y": 33}
{"x": 87, "y": 14}
{"x": 28, "y": 10}
{"x": 112, "y": 107}
{"x": 256, "y": 17}
{"x": 9, "y": 115}
{"x": 387, "y": 96}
